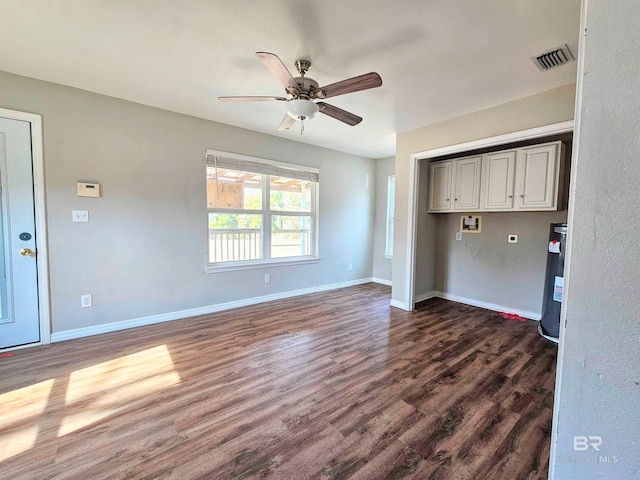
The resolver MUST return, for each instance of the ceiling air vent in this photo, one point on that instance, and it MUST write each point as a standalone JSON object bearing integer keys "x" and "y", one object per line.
{"x": 553, "y": 58}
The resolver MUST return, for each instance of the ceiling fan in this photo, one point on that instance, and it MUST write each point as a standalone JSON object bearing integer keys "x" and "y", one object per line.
{"x": 303, "y": 91}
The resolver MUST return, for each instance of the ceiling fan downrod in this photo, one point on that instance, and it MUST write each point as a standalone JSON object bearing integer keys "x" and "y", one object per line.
{"x": 303, "y": 66}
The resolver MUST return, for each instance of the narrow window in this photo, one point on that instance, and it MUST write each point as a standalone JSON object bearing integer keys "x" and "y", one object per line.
{"x": 391, "y": 206}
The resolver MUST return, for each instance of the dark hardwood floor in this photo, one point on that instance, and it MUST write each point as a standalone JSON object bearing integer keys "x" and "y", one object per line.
{"x": 327, "y": 386}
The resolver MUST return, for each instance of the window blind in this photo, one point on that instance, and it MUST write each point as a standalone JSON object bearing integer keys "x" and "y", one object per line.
{"x": 221, "y": 161}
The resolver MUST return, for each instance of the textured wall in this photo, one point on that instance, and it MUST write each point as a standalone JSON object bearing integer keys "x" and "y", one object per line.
{"x": 598, "y": 387}
{"x": 144, "y": 250}
{"x": 485, "y": 268}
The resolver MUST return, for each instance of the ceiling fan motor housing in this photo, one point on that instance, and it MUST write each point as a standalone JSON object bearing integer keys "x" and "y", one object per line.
{"x": 307, "y": 87}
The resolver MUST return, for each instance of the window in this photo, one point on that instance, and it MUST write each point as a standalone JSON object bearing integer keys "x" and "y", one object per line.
{"x": 391, "y": 207}
{"x": 259, "y": 211}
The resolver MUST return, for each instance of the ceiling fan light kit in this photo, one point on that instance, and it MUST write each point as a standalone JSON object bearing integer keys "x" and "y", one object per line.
{"x": 302, "y": 109}
{"x": 302, "y": 91}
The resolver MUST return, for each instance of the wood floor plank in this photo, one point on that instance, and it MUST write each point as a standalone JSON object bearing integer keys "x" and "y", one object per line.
{"x": 329, "y": 386}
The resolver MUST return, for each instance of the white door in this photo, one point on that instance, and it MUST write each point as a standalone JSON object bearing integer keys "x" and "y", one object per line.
{"x": 19, "y": 316}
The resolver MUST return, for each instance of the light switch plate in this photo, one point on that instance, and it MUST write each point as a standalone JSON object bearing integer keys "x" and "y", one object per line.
{"x": 80, "y": 216}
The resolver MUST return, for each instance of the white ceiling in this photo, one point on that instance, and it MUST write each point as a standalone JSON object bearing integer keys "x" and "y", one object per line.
{"x": 438, "y": 58}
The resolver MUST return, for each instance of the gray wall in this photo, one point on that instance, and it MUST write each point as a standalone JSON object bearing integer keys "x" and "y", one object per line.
{"x": 381, "y": 264}
{"x": 145, "y": 248}
{"x": 542, "y": 109}
{"x": 598, "y": 384}
{"x": 485, "y": 268}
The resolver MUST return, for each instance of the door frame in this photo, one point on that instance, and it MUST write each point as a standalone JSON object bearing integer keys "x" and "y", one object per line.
{"x": 414, "y": 188}
{"x": 37, "y": 159}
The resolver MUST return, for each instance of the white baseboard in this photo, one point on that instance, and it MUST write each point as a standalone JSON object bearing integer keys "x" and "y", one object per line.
{"x": 192, "y": 312}
{"x": 383, "y": 281}
{"x": 488, "y": 306}
{"x": 418, "y": 298}
{"x": 401, "y": 305}
{"x": 424, "y": 296}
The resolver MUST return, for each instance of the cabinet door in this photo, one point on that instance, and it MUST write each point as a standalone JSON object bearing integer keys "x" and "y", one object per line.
{"x": 536, "y": 177}
{"x": 498, "y": 172}
{"x": 440, "y": 186}
{"x": 466, "y": 177}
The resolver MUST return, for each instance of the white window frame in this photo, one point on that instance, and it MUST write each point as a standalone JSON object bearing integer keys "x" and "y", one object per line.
{"x": 271, "y": 168}
{"x": 391, "y": 209}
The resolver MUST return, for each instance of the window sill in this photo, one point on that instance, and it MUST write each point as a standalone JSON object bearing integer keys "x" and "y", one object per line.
{"x": 390, "y": 257}
{"x": 261, "y": 264}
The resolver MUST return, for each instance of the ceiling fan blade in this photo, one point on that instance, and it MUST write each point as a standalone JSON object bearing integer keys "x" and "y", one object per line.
{"x": 287, "y": 122}
{"x": 339, "y": 114}
{"x": 252, "y": 99}
{"x": 355, "y": 84}
{"x": 275, "y": 65}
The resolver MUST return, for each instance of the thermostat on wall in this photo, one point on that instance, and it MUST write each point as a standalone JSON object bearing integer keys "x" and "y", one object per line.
{"x": 88, "y": 189}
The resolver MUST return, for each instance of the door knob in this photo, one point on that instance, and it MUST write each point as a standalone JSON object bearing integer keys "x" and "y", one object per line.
{"x": 27, "y": 252}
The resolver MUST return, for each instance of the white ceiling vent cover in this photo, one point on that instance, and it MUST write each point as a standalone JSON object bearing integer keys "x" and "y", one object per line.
{"x": 553, "y": 58}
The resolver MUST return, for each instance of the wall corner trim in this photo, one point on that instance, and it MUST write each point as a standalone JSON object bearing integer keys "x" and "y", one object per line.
{"x": 192, "y": 312}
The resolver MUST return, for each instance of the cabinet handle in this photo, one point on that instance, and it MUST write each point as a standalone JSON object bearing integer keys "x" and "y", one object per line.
{"x": 455, "y": 199}
{"x": 448, "y": 199}
{"x": 510, "y": 196}
{"x": 521, "y": 196}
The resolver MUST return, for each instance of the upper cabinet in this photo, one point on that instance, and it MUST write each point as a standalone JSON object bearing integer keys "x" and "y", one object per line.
{"x": 537, "y": 177}
{"x": 466, "y": 184}
{"x": 498, "y": 176}
{"x": 525, "y": 178}
{"x": 440, "y": 176}
{"x": 454, "y": 185}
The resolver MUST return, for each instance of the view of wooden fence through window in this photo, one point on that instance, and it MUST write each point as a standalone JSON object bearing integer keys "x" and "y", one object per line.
{"x": 254, "y": 216}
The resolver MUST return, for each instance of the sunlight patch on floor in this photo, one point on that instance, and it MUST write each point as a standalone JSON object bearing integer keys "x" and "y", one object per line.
{"x": 96, "y": 392}
{"x": 19, "y": 408}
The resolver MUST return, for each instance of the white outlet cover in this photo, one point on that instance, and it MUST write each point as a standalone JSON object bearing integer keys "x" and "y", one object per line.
{"x": 81, "y": 216}
{"x": 86, "y": 301}
{"x": 458, "y": 235}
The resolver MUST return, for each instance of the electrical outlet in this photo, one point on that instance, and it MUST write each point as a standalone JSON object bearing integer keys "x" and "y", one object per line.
{"x": 350, "y": 266}
{"x": 458, "y": 235}
{"x": 512, "y": 238}
{"x": 267, "y": 278}
{"x": 86, "y": 301}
